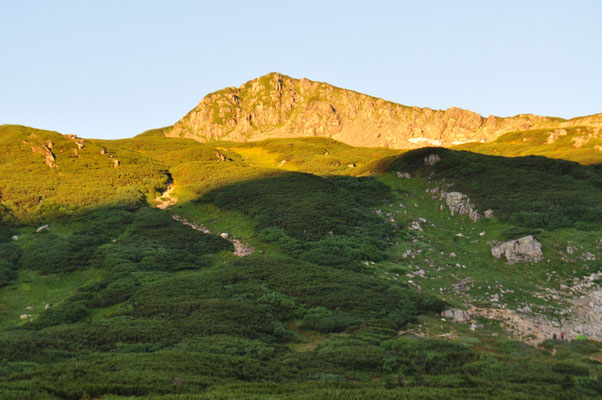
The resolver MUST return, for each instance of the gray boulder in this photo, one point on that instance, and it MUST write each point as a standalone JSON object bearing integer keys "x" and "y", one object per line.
{"x": 456, "y": 315}
{"x": 432, "y": 159}
{"x": 459, "y": 203}
{"x": 526, "y": 248}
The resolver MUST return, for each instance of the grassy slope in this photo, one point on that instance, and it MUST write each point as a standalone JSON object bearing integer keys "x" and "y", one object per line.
{"x": 139, "y": 318}
{"x": 83, "y": 177}
{"x": 565, "y": 144}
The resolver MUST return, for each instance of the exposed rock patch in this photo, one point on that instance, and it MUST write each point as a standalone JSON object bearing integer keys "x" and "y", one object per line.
{"x": 458, "y": 203}
{"x": 45, "y": 150}
{"x": 582, "y": 314}
{"x": 431, "y": 159}
{"x": 456, "y": 315}
{"x": 43, "y": 228}
{"x": 79, "y": 142}
{"x": 526, "y": 248}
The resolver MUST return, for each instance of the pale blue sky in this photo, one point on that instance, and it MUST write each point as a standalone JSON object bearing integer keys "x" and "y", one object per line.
{"x": 113, "y": 69}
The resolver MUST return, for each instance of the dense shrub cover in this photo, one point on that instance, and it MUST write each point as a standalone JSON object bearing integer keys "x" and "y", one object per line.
{"x": 532, "y": 192}
{"x": 320, "y": 220}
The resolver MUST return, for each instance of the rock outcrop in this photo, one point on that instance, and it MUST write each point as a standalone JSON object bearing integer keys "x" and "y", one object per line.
{"x": 46, "y": 151}
{"x": 276, "y": 105}
{"x": 456, "y": 315}
{"x": 526, "y": 248}
{"x": 458, "y": 203}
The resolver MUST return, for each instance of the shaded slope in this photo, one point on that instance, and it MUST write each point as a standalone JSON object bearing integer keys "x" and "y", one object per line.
{"x": 534, "y": 192}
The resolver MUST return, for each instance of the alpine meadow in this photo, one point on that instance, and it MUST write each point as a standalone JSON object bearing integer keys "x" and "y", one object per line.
{"x": 289, "y": 239}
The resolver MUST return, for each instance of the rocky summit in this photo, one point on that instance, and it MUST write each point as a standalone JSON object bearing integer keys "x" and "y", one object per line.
{"x": 278, "y": 106}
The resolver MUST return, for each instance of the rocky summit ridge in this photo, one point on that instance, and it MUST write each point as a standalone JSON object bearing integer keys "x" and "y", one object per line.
{"x": 278, "y": 106}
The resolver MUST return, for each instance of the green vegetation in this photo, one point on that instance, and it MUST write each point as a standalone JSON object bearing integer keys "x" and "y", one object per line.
{"x": 120, "y": 300}
{"x": 319, "y": 220}
{"x": 81, "y": 178}
{"x": 532, "y": 192}
{"x": 581, "y": 144}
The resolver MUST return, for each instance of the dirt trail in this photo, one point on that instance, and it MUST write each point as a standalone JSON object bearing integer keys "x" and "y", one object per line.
{"x": 240, "y": 249}
{"x": 166, "y": 199}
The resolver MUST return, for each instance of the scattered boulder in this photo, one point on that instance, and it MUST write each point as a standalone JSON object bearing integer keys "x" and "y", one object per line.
{"x": 44, "y": 150}
{"x": 47, "y": 307}
{"x": 432, "y": 159}
{"x": 29, "y": 308}
{"x": 224, "y": 235}
{"x": 404, "y": 175}
{"x": 474, "y": 327}
{"x": 488, "y": 213}
{"x": 220, "y": 156}
{"x": 456, "y": 315}
{"x": 459, "y": 203}
{"x": 452, "y": 254}
{"x": 24, "y": 316}
{"x": 43, "y": 228}
{"x": 15, "y": 237}
{"x": 240, "y": 249}
{"x": 571, "y": 249}
{"x": 116, "y": 163}
{"x": 415, "y": 225}
{"x": 79, "y": 142}
{"x": 482, "y": 234}
{"x": 526, "y": 248}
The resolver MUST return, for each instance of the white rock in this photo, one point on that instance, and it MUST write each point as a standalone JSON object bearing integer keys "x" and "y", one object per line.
{"x": 432, "y": 159}
{"x": 456, "y": 314}
{"x": 15, "y": 237}
{"x": 224, "y": 235}
{"x": 43, "y": 228}
{"x": 47, "y": 307}
{"x": 482, "y": 234}
{"x": 452, "y": 254}
{"x": 404, "y": 175}
{"x": 474, "y": 327}
{"x": 415, "y": 225}
{"x": 526, "y": 248}
{"x": 459, "y": 203}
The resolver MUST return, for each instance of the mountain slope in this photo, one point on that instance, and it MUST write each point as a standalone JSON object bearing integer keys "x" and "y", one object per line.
{"x": 276, "y": 106}
{"x": 582, "y": 144}
{"x": 342, "y": 296}
{"x": 47, "y": 173}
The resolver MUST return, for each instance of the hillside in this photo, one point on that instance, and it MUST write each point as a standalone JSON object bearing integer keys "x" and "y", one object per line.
{"x": 302, "y": 268}
{"x": 46, "y": 173}
{"x": 582, "y": 144}
{"x": 277, "y": 106}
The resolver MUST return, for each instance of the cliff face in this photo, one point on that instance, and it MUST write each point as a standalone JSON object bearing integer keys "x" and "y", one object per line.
{"x": 275, "y": 106}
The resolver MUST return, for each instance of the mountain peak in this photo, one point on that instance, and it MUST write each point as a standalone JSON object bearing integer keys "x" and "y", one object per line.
{"x": 276, "y": 106}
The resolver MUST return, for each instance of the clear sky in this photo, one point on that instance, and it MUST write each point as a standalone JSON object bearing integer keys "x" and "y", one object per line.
{"x": 112, "y": 69}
